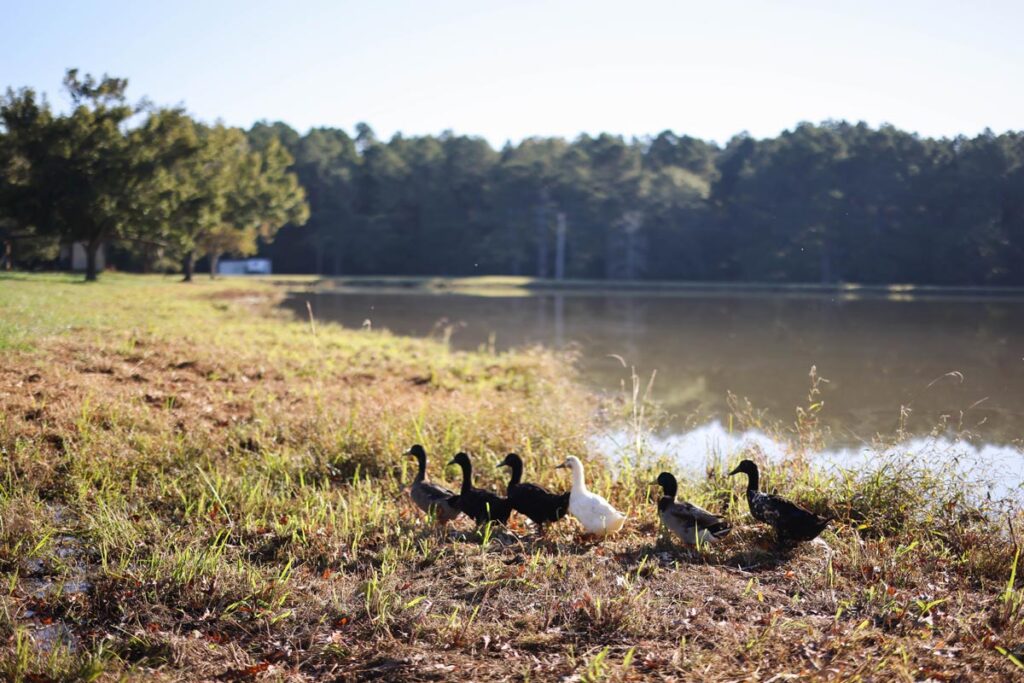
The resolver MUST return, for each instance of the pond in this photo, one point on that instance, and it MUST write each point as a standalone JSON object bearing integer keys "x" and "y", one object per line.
{"x": 890, "y": 363}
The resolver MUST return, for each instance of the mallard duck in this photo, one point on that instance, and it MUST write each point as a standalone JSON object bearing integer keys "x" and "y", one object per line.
{"x": 595, "y": 514}
{"x": 693, "y": 525}
{"x": 791, "y": 522}
{"x": 536, "y": 502}
{"x": 432, "y": 499}
{"x": 482, "y": 506}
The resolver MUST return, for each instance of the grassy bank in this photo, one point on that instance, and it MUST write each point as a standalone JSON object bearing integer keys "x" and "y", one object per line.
{"x": 196, "y": 486}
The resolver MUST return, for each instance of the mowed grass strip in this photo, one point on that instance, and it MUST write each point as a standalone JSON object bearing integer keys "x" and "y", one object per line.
{"x": 196, "y": 485}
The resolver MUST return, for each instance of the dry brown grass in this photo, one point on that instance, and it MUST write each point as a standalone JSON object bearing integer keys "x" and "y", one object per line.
{"x": 219, "y": 493}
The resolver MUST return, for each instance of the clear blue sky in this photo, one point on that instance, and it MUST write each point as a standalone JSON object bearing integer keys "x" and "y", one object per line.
{"x": 506, "y": 70}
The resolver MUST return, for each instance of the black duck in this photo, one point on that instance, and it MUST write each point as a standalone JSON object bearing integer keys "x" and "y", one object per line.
{"x": 792, "y": 523}
{"x": 482, "y": 506}
{"x": 535, "y": 502}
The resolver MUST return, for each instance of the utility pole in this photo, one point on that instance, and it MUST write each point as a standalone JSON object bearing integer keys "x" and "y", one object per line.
{"x": 630, "y": 225}
{"x": 542, "y": 236}
{"x": 560, "y": 231}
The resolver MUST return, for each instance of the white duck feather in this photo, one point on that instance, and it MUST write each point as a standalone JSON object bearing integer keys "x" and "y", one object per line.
{"x": 594, "y": 513}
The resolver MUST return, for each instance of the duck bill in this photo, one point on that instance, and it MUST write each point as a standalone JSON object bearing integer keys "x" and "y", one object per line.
{"x": 563, "y": 466}
{"x": 735, "y": 471}
{"x": 451, "y": 462}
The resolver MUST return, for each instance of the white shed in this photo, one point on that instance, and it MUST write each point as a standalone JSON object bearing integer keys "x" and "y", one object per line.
{"x": 73, "y": 256}
{"x": 247, "y": 266}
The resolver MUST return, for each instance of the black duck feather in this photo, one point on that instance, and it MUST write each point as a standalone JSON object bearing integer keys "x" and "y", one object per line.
{"x": 535, "y": 502}
{"x": 480, "y": 505}
{"x": 792, "y": 523}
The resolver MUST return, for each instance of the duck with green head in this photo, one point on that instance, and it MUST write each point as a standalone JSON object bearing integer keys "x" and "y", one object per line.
{"x": 691, "y": 524}
{"x": 437, "y": 501}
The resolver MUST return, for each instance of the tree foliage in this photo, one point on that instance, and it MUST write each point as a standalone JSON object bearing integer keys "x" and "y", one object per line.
{"x": 829, "y": 202}
{"x": 820, "y": 203}
{"x": 109, "y": 172}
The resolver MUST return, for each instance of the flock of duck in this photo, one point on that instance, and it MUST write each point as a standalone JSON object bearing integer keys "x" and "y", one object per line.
{"x": 693, "y": 525}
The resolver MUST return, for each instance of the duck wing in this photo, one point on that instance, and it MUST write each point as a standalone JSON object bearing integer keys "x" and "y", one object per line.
{"x": 498, "y": 508}
{"x": 436, "y": 492}
{"x": 537, "y": 503}
{"x": 690, "y": 517}
{"x": 791, "y": 521}
{"x": 428, "y": 497}
{"x": 469, "y": 503}
{"x": 530, "y": 490}
{"x": 595, "y": 513}
{"x": 483, "y": 506}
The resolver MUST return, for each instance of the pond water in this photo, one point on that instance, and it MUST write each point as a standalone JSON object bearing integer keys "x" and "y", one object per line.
{"x": 919, "y": 362}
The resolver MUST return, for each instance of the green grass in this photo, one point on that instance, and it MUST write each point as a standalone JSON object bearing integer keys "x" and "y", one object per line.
{"x": 196, "y": 485}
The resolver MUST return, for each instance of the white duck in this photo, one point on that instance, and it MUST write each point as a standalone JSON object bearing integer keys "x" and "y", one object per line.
{"x": 595, "y": 514}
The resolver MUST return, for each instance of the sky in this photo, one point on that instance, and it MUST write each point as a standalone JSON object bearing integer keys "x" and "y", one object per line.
{"x": 509, "y": 70}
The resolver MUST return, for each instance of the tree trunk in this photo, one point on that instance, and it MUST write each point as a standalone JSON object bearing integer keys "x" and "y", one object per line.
{"x": 214, "y": 258}
{"x": 91, "y": 249}
{"x": 188, "y": 266}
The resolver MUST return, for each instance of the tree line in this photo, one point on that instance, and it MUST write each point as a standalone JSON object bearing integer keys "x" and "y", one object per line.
{"x": 157, "y": 186}
{"x": 833, "y": 202}
{"x": 829, "y": 202}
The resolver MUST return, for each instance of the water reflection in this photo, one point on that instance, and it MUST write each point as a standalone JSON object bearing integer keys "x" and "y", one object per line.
{"x": 999, "y": 468}
{"x": 879, "y": 355}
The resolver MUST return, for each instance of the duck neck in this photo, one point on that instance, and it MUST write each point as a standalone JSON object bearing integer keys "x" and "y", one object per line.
{"x": 753, "y": 481}
{"x": 517, "y": 474}
{"x": 467, "y": 477}
{"x": 578, "y": 484}
{"x": 421, "y": 473}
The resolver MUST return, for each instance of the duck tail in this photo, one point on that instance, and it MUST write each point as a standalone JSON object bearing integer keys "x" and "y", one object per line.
{"x": 812, "y": 531}
{"x": 720, "y": 530}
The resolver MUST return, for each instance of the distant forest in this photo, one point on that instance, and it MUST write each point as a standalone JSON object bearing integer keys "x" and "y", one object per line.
{"x": 833, "y": 202}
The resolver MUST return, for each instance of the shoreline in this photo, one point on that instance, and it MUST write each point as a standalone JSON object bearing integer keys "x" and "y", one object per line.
{"x": 527, "y": 286}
